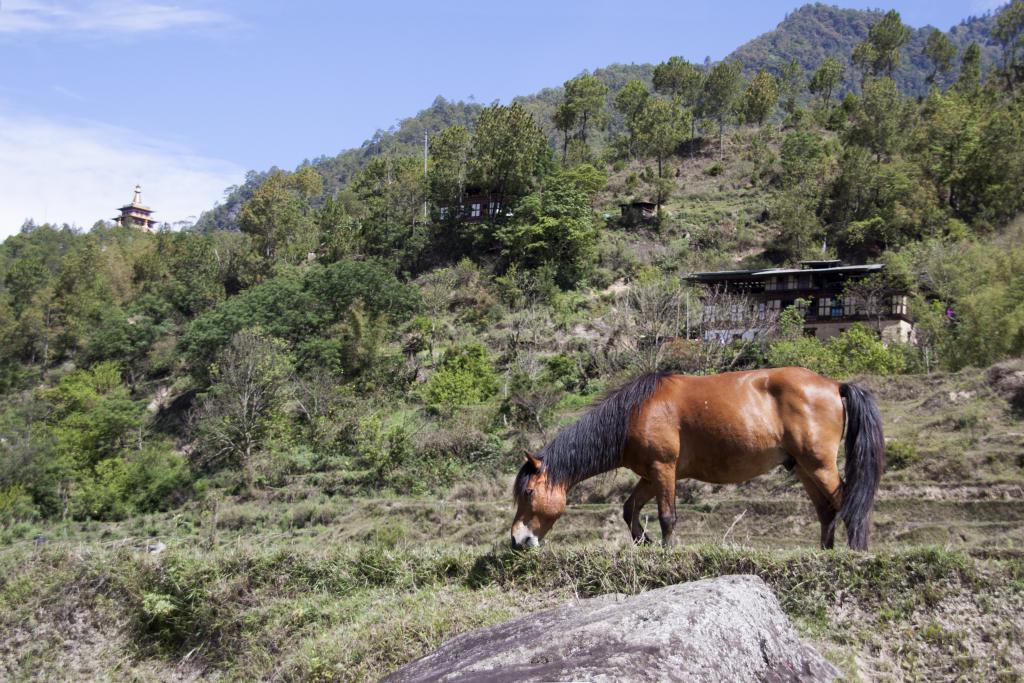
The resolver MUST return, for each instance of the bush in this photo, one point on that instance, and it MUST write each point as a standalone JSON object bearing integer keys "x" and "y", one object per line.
{"x": 145, "y": 481}
{"x": 464, "y": 377}
{"x": 901, "y": 454}
{"x": 858, "y": 351}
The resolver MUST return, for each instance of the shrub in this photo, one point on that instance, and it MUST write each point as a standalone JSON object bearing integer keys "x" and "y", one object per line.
{"x": 464, "y": 377}
{"x": 901, "y": 454}
{"x": 857, "y": 351}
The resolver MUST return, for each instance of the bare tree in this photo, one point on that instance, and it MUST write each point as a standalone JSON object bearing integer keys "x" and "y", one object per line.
{"x": 870, "y": 297}
{"x": 731, "y": 327}
{"x": 232, "y": 420}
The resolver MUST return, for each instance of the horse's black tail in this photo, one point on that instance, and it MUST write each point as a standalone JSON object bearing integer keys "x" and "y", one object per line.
{"x": 865, "y": 462}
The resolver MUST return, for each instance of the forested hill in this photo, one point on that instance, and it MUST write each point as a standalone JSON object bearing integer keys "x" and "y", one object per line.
{"x": 814, "y": 32}
{"x": 808, "y": 35}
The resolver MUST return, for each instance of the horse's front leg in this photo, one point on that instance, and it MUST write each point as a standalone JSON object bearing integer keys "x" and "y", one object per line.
{"x": 642, "y": 492}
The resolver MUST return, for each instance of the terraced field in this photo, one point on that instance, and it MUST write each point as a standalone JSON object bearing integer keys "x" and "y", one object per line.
{"x": 310, "y": 583}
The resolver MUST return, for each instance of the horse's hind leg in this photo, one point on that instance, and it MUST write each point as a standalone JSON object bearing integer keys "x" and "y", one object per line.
{"x": 822, "y": 486}
{"x": 642, "y": 492}
{"x": 664, "y": 477}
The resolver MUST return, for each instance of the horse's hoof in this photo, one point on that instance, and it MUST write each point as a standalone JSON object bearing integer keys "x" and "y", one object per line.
{"x": 643, "y": 540}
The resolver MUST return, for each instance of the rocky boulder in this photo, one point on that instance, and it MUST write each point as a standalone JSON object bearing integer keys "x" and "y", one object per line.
{"x": 730, "y": 628}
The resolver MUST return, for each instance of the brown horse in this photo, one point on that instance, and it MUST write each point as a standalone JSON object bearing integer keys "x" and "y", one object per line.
{"x": 721, "y": 429}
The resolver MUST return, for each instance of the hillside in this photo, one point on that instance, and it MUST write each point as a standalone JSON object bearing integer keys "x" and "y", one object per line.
{"x": 808, "y": 34}
{"x": 306, "y": 582}
{"x": 814, "y": 32}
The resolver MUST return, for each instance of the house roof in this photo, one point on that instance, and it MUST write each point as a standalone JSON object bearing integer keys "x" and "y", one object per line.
{"x": 720, "y": 275}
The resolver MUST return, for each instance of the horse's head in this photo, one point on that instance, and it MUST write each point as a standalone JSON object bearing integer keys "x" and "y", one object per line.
{"x": 539, "y": 502}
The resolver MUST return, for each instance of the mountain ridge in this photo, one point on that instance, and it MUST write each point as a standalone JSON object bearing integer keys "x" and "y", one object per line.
{"x": 836, "y": 31}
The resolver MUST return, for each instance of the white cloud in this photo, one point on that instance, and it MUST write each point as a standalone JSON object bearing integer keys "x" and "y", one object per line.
{"x": 100, "y": 16}
{"x": 80, "y": 173}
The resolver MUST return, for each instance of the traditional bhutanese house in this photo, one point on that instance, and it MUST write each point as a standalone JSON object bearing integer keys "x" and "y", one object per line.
{"x": 477, "y": 205}
{"x": 135, "y": 215}
{"x": 819, "y": 290}
{"x": 638, "y": 212}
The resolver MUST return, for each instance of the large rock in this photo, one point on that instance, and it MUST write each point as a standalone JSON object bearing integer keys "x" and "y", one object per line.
{"x": 729, "y": 628}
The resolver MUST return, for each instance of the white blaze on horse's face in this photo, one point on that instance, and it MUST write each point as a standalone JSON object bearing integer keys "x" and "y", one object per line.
{"x": 538, "y": 508}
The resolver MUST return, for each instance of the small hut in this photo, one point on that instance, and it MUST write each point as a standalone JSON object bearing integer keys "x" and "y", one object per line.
{"x": 634, "y": 213}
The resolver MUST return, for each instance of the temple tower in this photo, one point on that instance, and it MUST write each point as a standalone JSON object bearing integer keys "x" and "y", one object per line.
{"x": 136, "y": 215}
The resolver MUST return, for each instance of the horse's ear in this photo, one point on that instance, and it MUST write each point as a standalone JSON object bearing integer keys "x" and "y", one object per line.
{"x": 532, "y": 459}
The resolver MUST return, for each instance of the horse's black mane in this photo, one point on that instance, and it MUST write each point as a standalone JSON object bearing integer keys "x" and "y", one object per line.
{"x": 593, "y": 444}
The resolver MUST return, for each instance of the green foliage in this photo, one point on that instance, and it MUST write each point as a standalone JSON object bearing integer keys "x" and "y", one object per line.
{"x": 661, "y": 128}
{"x": 880, "y": 53}
{"x": 941, "y": 51}
{"x": 279, "y": 217}
{"x": 297, "y": 304}
{"x": 631, "y": 102}
{"x": 584, "y": 97}
{"x": 149, "y": 480}
{"x": 760, "y": 98}
{"x": 509, "y": 152}
{"x": 858, "y": 351}
{"x": 721, "y": 95}
{"x": 555, "y": 227}
{"x": 465, "y": 376}
{"x": 826, "y": 79}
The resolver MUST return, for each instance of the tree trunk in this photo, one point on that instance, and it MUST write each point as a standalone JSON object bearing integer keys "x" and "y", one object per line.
{"x": 721, "y": 139}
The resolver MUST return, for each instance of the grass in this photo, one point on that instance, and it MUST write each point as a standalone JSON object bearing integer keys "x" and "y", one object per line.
{"x": 310, "y": 583}
{"x": 305, "y": 611}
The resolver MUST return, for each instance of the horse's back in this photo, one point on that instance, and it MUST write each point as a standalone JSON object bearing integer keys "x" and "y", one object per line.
{"x": 736, "y": 425}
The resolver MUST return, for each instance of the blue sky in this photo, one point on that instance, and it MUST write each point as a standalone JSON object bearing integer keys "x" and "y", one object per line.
{"x": 183, "y": 96}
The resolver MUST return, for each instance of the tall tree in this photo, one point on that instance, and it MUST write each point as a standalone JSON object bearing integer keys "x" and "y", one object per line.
{"x": 761, "y": 97}
{"x": 941, "y": 51}
{"x": 969, "y": 80}
{"x": 681, "y": 79}
{"x": 278, "y": 215}
{"x": 880, "y": 53}
{"x": 662, "y": 128}
{"x": 878, "y": 118}
{"x": 720, "y": 96}
{"x": 509, "y": 152}
{"x": 565, "y": 122}
{"x": 585, "y": 96}
{"x": 1009, "y": 32}
{"x": 790, "y": 86}
{"x": 449, "y": 167}
{"x": 630, "y": 101}
{"x": 825, "y": 79}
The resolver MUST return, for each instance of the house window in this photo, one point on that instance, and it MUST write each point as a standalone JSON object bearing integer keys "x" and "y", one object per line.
{"x": 801, "y": 306}
{"x": 771, "y": 284}
{"x": 443, "y": 212}
{"x": 825, "y": 306}
{"x": 736, "y": 314}
{"x": 493, "y": 208}
{"x": 474, "y": 210}
{"x": 899, "y": 304}
{"x": 791, "y": 282}
{"x": 762, "y": 311}
{"x": 805, "y": 282}
{"x": 850, "y": 306}
{"x": 775, "y": 305}
{"x": 837, "y": 308}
